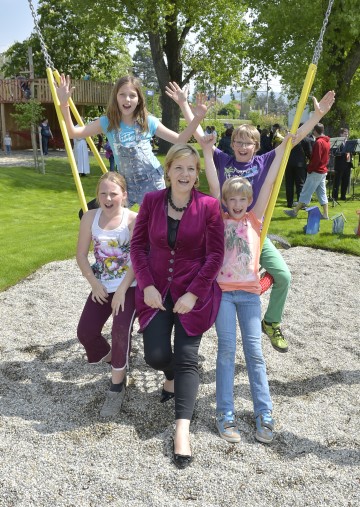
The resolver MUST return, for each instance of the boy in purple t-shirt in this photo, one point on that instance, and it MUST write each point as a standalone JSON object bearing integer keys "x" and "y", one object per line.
{"x": 245, "y": 142}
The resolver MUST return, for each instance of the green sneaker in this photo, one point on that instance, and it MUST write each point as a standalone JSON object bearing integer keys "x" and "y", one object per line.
{"x": 277, "y": 339}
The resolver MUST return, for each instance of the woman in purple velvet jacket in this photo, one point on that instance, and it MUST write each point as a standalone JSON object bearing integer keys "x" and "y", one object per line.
{"x": 177, "y": 250}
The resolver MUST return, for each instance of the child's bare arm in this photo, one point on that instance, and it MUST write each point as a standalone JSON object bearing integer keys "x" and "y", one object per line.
{"x": 266, "y": 189}
{"x": 180, "y": 96}
{"x": 207, "y": 144}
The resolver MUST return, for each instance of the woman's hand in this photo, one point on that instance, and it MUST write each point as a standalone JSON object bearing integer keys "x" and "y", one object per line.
{"x": 179, "y": 95}
{"x": 185, "y": 303}
{"x": 118, "y": 301}
{"x": 98, "y": 292}
{"x": 325, "y": 104}
{"x": 152, "y": 297}
{"x": 64, "y": 90}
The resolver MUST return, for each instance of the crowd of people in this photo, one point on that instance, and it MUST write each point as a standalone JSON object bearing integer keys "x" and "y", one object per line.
{"x": 186, "y": 261}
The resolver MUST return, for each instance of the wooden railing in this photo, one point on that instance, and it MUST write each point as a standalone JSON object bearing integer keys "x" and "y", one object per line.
{"x": 86, "y": 92}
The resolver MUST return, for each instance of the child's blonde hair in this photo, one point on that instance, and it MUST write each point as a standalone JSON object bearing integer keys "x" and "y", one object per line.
{"x": 114, "y": 177}
{"x": 113, "y": 113}
{"x": 245, "y": 132}
{"x": 236, "y": 185}
{"x": 181, "y": 151}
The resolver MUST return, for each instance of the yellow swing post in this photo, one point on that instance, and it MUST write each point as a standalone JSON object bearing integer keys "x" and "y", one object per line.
{"x": 309, "y": 80}
{"x": 51, "y": 75}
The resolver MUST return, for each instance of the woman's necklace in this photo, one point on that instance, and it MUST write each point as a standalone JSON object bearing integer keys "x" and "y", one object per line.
{"x": 175, "y": 207}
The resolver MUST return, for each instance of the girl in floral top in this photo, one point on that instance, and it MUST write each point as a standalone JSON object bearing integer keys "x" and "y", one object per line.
{"x": 240, "y": 282}
{"x": 112, "y": 284}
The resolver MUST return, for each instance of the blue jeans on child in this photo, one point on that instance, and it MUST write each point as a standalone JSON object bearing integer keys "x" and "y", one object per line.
{"x": 248, "y": 310}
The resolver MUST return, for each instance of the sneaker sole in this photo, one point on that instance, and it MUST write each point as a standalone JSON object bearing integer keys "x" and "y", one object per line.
{"x": 279, "y": 349}
{"x": 264, "y": 440}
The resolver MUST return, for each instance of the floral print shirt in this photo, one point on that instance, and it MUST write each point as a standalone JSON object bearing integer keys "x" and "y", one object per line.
{"x": 111, "y": 251}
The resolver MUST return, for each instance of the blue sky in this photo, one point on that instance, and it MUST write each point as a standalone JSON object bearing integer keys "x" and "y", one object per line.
{"x": 16, "y": 22}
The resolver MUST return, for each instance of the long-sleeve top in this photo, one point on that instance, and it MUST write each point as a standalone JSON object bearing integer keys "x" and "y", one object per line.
{"x": 320, "y": 156}
{"x": 190, "y": 266}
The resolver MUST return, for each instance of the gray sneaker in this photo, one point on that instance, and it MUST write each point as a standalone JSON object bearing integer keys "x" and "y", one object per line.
{"x": 113, "y": 402}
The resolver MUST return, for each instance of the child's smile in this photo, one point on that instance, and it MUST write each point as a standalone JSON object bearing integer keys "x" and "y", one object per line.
{"x": 237, "y": 205}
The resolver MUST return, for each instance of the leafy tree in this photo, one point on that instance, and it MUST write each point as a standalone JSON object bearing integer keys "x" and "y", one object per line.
{"x": 28, "y": 116}
{"x": 73, "y": 48}
{"x": 187, "y": 39}
{"x": 143, "y": 68}
{"x": 284, "y": 37}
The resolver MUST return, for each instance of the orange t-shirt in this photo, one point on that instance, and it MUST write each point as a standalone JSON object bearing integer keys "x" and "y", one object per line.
{"x": 240, "y": 269}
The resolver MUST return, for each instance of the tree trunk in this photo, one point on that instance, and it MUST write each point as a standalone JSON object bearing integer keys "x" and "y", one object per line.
{"x": 166, "y": 73}
{"x": 35, "y": 152}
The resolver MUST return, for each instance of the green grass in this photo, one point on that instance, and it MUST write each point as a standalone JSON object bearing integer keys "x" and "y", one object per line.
{"x": 39, "y": 219}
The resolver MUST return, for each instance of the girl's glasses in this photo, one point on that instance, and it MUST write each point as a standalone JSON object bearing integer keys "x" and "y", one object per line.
{"x": 240, "y": 144}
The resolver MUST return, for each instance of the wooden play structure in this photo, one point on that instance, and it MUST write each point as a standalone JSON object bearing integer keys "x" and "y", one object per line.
{"x": 13, "y": 91}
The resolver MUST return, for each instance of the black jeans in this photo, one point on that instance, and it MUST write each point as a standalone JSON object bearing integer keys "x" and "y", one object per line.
{"x": 294, "y": 175}
{"x": 180, "y": 364}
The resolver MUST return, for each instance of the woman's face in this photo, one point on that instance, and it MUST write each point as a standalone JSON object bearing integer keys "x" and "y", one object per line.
{"x": 183, "y": 173}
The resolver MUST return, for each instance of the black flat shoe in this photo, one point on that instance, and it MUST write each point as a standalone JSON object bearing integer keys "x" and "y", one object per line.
{"x": 166, "y": 396}
{"x": 181, "y": 461}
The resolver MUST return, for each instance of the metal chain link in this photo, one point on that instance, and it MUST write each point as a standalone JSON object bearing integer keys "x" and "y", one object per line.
{"x": 319, "y": 44}
{"x": 48, "y": 61}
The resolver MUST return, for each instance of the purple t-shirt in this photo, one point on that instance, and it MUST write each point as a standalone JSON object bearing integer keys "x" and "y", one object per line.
{"x": 255, "y": 170}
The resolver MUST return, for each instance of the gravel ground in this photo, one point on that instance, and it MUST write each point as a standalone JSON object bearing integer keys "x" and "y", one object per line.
{"x": 57, "y": 451}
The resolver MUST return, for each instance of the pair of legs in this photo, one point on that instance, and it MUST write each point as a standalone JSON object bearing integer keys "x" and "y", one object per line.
{"x": 341, "y": 178}
{"x": 180, "y": 367}
{"x": 246, "y": 307}
{"x": 45, "y": 144}
{"x": 294, "y": 175}
{"x": 273, "y": 262}
{"x": 315, "y": 182}
{"x": 89, "y": 332}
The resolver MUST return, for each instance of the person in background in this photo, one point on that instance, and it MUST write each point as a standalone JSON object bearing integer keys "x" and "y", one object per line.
{"x": 81, "y": 154}
{"x": 7, "y": 143}
{"x": 110, "y": 156}
{"x": 316, "y": 177}
{"x": 225, "y": 142}
{"x": 46, "y": 134}
{"x": 342, "y": 168}
{"x": 295, "y": 172}
{"x": 265, "y": 142}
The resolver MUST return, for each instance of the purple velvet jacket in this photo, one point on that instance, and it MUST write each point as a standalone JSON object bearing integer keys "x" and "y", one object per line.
{"x": 191, "y": 266}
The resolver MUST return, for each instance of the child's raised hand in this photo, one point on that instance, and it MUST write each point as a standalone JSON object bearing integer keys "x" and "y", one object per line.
{"x": 179, "y": 95}
{"x": 200, "y": 109}
{"x": 207, "y": 141}
{"x": 64, "y": 90}
{"x": 324, "y": 106}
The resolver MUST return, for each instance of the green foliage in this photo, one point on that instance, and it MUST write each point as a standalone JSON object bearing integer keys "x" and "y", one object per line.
{"x": 143, "y": 68}
{"x": 284, "y": 38}
{"x": 28, "y": 114}
{"x": 73, "y": 48}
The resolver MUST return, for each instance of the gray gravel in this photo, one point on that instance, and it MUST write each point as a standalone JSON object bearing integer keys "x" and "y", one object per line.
{"x": 56, "y": 451}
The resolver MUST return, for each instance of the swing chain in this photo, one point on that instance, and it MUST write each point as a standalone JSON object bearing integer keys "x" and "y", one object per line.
{"x": 48, "y": 61}
{"x": 319, "y": 44}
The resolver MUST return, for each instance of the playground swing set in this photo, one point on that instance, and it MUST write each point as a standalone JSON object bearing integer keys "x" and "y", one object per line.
{"x": 54, "y": 76}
